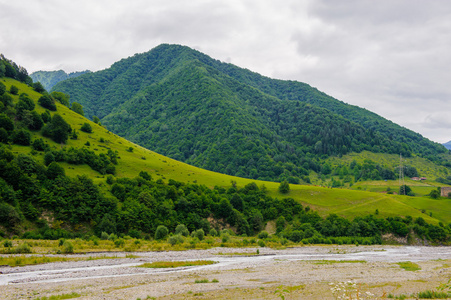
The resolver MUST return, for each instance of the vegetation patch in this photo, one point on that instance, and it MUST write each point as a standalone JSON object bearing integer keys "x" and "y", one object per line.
{"x": 330, "y": 262}
{"x": 176, "y": 264}
{"x": 60, "y": 297}
{"x": 409, "y": 266}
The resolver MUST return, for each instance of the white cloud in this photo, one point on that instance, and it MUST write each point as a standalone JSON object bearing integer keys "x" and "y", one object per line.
{"x": 391, "y": 57}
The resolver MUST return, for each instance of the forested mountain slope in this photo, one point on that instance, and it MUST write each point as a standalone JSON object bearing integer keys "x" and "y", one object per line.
{"x": 188, "y": 106}
{"x": 63, "y": 176}
{"x": 49, "y": 78}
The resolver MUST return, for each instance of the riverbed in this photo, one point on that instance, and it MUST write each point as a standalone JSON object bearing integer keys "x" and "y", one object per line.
{"x": 237, "y": 272}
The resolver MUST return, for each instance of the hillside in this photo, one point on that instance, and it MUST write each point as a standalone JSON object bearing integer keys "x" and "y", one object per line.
{"x": 49, "y": 78}
{"x": 57, "y": 180}
{"x": 190, "y": 107}
{"x": 447, "y": 145}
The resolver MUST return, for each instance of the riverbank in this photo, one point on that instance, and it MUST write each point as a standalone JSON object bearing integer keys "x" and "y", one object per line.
{"x": 299, "y": 273}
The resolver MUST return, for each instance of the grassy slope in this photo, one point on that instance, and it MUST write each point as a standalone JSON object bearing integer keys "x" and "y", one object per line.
{"x": 344, "y": 202}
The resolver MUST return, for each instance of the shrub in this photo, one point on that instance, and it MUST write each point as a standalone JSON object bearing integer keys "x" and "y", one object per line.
{"x": 7, "y": 244}
{"x": 14, "y": 90}
{"x": 284, "y": 187}
{"x": 200, "y": 234}
{"x": 104, "y": 235}
{"x": 181, "y": 229}
{"x": 86, "y": 128}
{"x": 213, "y": 232}
{"x": 161, "y": 232}
{"x": 68, "y": 247}
{"x": 47, "y": 102}
{"x": 22, "y": 249}
{"x": 175, "y": 239}
{"x": 22, "y": 137}
{"x": 263, "y": 235}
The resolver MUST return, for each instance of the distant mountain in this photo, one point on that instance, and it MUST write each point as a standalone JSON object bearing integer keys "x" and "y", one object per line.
{"x": 447, "y": 145}
{"x": 49, "y": 78}
{"x": 190, "y": 107}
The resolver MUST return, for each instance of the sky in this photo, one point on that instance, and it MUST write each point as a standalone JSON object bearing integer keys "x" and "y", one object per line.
{"x": 390, "y": 57}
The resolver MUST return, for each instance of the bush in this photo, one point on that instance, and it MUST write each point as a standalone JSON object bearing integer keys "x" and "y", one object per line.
{"x": 68, "y": 247}
{"x": 14, "y": 90}
{"x": 161, "y": 232}
{"x": 22, "y": 137}
{"x": 213, "y": 232}
{"x": 175, "y": 239}
{"x": 22, "y": 249}
{"x": 47, "y": 102}
{"x": 86, "y": 128}
{"x": 284, "y": 187}
{"x": 7, "y": 244}
{"x": 104, "y": 235}
{"x": 200, "y": 234}
{"x": 263, "y": 235}
{"x": 181, "y": 229}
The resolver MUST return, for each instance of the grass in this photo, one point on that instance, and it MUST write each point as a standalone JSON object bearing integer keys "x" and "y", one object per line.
{"x": 409, "y": 266}
{"x": 176, "y": 264}
{"x": 329, "y": 262}
{"x": 343, "y": 202}
{"x": 60, "y": 297}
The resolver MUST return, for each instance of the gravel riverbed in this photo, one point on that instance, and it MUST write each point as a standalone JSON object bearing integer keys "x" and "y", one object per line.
{"x": 239, "y": 273}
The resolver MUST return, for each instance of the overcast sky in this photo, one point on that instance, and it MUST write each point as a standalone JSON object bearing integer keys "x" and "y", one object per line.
{"x": 390, "y": 57}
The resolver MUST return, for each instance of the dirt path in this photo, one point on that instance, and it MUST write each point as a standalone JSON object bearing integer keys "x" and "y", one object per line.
{"x": 295, "y": 273}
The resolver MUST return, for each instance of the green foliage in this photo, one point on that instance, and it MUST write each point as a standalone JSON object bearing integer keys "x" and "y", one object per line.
{"x": 50, "y": 78}
{"x": 6, "y": 123}
{"x": 405, "y": 190}
{"x": 47, "y": 102}
{"x": 76, "y": 107}
{"x": 54, "y": 170}
{"x": 96, "y": 119}
{"x": 68, "y": 247}
{"x": 181, "y": 230}
{"x": 61, "y": 98}
{"x": 86, "y": 128}
{"x": 284, "y": 187}
{"x": 268, "y": 129}
{"x": 161, "y": 232}
{"x": 14, "y": 90}
{"x": 58, "y": 129}
{"x": 38, "y": 87}
{"x": 21, "y": 137}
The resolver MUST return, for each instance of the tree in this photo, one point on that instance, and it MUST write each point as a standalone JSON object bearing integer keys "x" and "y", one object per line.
{"x": 22, "y": 137}
{"x": 47, "y": 102}
{"x": 86, "y": 128}
{"x": 14, "y": 90}
{"x": 405, "y": 190}
{"x": 61, "y": 97}
{"x": 38, "y": 87}
{"x": 435, "y": 194}
{"x": 161, "y": 232}
{"x": 58, "y": 129}
{"x": 96, "y": 120}
{"x": 54, "y": 170}
{"x": 284, "y": 187}
{"x": 6, "y": 123}
{"x": 76, "y": 107}
{"x": 2, "y": 88}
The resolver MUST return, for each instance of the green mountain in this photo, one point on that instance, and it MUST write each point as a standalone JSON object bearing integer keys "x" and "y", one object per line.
{"x": 190, "y": 107}
{"x": 49, "y": 78}
{"x": 63, "y": 176}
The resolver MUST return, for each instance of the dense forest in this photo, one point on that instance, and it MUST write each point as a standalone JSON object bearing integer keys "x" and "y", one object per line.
{"x": 49, "y": 78}
{"x": 38, "y": 200}
{"x": 190, "y": 107}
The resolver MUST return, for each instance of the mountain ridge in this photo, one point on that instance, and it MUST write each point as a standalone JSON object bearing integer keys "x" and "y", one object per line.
{"x": 274, "y": 106}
